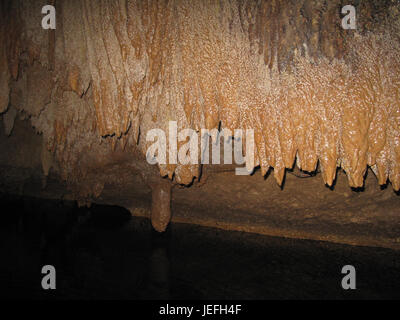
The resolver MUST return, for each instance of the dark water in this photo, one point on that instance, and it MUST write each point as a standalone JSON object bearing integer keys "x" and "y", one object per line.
{"x": 104, "y": 253}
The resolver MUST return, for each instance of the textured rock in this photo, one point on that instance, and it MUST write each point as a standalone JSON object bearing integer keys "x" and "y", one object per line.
{"x": 161, "y": 206}
{"x": 8, "y": 120}
{"x": 112, "y": 70}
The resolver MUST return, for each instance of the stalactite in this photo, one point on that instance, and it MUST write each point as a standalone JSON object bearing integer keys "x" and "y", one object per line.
{"x": 313, "y": 93}
{"x": 160, "y": 205}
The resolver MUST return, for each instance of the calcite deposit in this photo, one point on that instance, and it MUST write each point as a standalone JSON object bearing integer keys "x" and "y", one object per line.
{"x": 161, "y": 206}
{"x": 315, "y": 94}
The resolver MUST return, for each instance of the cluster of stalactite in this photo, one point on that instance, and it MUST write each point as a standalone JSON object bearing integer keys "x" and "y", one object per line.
{"x": 113, "y": 70}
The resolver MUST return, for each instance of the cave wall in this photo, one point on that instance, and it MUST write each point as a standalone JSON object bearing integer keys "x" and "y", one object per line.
{"x": 317, "y": 96}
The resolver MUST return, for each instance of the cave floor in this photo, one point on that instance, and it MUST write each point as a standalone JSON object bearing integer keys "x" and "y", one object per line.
{"x": 108, "y": 254}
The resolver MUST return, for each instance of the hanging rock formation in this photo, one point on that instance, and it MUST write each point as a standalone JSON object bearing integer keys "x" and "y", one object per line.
{"x": 313, "y": 92}
{"x": 161, "y": 206}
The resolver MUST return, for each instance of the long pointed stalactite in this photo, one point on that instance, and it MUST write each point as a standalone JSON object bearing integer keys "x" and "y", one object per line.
{"x": 113, "y": 70}
{"x": 161, "y": 205}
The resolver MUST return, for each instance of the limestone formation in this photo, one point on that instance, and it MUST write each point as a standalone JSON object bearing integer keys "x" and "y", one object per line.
{"x": 314, "y": 93}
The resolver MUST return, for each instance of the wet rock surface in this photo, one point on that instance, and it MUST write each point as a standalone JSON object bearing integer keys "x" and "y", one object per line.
{"x": 303, "y": 208}
{"x": 76, "y": 104}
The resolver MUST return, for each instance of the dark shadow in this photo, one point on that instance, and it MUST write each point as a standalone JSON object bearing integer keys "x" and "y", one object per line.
{"x": 158, "y": 284}
{"x": 108, "y": 217}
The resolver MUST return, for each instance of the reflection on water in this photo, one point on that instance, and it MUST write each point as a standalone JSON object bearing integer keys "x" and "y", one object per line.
{"x": 158, "y": 286}
{"x": 104, "y": 253}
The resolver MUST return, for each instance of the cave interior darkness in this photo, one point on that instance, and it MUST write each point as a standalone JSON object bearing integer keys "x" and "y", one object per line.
{"x": 87, "y": 98}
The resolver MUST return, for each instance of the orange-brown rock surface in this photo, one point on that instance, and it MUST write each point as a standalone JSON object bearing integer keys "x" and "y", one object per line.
{"x": 313, "y": 92}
